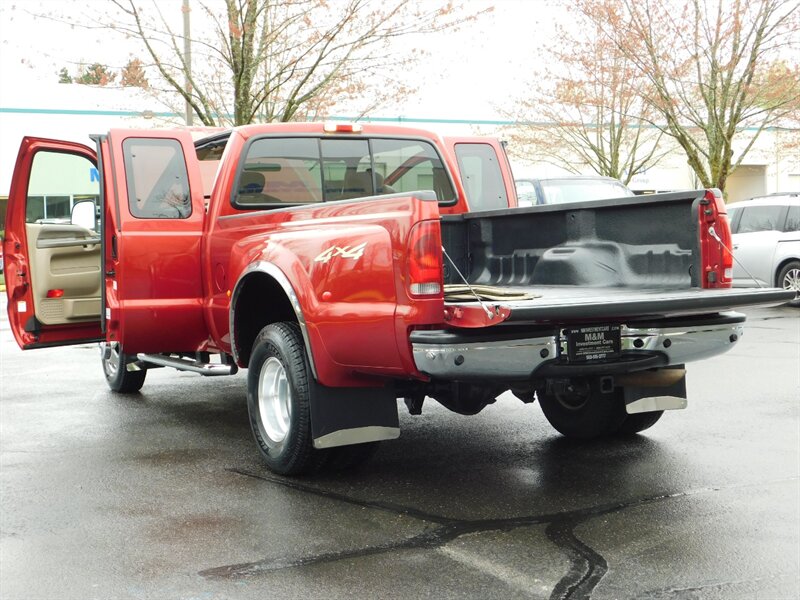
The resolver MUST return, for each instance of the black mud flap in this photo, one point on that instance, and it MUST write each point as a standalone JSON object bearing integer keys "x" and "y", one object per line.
{"x": 344, "y": 416}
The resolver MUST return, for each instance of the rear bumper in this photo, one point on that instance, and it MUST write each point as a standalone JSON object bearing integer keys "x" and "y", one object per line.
{"x": 455, "y": 356}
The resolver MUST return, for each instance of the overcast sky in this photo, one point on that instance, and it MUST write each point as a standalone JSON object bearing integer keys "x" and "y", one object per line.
{"x": 468, "y": 73}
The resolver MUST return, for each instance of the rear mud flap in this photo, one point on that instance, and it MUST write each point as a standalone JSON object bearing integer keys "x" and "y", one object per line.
{"x": 344, "y": 416}
{"x": 639, "y": 399}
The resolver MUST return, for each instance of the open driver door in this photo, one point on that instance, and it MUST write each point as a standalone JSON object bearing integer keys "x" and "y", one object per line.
{"x": 132, "y": 277}
{"x": 52, "y": 265}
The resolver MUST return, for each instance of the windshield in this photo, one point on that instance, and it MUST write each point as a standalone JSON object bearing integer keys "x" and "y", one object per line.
{"x": 558, "y": 191}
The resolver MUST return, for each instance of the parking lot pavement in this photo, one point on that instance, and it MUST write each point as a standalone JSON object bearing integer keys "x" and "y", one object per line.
{"x": 162, "y": 494}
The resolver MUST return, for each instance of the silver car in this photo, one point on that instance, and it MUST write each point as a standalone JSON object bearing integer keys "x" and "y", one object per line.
{"x": 766, "y": 241}
{"x": 569, "y": 188}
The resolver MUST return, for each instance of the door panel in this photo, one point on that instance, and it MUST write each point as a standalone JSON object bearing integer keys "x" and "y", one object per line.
{"x": 53, "y": 274}
{"x": 64, "y": 273}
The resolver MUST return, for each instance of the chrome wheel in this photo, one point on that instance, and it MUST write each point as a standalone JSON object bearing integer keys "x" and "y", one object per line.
{"x": 111, "y": 359}
{"x": 115, "y": 367}
{"x": 274, "y": 401}
{"x": 791, "y": 280}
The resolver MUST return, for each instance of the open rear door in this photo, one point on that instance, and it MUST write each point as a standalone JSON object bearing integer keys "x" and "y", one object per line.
{"x": 153, "y": 232}
{"x": 53, "y": 266}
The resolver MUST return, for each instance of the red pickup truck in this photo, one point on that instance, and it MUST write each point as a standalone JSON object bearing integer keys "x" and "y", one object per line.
{"x": 346, "y": 266}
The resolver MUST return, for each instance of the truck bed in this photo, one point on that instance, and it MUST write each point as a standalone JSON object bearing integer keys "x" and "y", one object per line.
{"x": 622, "y": 259}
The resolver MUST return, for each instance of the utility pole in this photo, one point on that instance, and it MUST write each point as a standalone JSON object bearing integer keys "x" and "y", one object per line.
{"x": 187, "y": 59}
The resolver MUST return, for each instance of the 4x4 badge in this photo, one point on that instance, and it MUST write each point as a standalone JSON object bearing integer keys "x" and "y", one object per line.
{"x": 354, "y": 252}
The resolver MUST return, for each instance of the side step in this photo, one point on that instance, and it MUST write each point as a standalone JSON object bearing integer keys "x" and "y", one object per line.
{"x": 184, "y": 364}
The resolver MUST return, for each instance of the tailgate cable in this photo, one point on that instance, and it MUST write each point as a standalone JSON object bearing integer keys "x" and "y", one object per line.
{"x": 714, "y": 235}
{"x": 488, "y": 312}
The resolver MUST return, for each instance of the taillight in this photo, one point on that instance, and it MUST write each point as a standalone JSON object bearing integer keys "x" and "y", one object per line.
{"x": 425, "y": 259}
{"x": 715, "y": 242}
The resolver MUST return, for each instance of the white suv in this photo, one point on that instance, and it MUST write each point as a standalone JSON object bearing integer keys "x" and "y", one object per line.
{"x": 766, "y": 241}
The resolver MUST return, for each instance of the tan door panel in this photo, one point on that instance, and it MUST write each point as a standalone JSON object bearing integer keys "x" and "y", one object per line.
{"x": 64, "y": 257}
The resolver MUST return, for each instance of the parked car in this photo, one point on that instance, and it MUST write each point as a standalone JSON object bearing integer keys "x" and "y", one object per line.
{"x": 766, "y": 241}
{"x": 577, "y": 188}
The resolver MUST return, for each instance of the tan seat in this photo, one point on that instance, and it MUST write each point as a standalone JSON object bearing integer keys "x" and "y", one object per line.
{"x": 251, "y": 188}
{"x": 357, "y": 185}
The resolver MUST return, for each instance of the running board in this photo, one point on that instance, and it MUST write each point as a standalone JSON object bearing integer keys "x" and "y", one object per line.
{"x": 185, "y": 364}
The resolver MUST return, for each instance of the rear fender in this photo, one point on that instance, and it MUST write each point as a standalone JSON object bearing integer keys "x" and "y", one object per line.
{"x": 264, "y": 273}
{"x": 339, "y": 415}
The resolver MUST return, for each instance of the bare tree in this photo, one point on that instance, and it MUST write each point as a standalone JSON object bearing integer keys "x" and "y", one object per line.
{"x": 585, "y": 109}
{"x": 719, "y": 71}
{"x": 281, "y": 60}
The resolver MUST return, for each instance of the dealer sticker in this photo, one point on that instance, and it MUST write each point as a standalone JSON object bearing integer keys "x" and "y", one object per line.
{"x": 598, "y": 342}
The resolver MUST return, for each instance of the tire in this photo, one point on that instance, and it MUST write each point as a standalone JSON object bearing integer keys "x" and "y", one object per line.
{"x": 119, "y": 379}
{"x": 278, "y": 401}
{"x": 584, "y": 412}
{"x": 789, "y": 279}
{"x": 639, "y": 422}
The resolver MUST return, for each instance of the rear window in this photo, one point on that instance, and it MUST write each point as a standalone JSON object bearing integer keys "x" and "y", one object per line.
{"x": 290, "y": 171}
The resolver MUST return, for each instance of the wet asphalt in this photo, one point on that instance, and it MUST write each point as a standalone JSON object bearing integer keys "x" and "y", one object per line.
{"x": 162, "y": 494}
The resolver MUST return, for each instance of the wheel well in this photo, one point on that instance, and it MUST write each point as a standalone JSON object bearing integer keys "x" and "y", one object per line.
{"x": 780, "y": 268}
{"x": 260, "y": 301}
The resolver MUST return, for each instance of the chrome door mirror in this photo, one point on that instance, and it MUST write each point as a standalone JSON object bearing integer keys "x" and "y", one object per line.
{"x": 83, "y": 214}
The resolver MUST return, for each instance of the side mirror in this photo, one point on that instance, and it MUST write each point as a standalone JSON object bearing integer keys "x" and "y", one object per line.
{"x": 83, "y": 215}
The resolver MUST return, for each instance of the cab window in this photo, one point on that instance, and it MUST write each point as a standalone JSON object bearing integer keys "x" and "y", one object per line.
{"x": 410, "y": 166}
{"x": 280, "y": 171}
{"x": 158, "y": 184}
{"x": 347, "y": 169}
{"x": 481, "y": 176}
{"x": 57, "y": 181}
{"x": 291, "y": 171}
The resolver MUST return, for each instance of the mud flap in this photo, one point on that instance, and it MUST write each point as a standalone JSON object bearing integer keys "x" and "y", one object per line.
{"x": 639, "y": 399}
{"x": 344, "y": 416}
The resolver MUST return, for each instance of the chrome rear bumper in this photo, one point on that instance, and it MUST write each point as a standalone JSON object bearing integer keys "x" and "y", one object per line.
{"x": 521, "y": 358}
